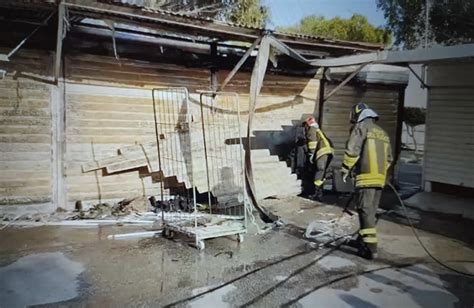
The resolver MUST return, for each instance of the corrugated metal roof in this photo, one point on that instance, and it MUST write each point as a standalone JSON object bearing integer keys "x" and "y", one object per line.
{"x": 184, "y": 23}
{"x": 140, "y": 4}
{"x": 374, "y": 73}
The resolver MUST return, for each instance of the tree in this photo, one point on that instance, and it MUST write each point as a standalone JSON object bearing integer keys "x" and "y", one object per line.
{"x": 413, "y": 117}
{"x": 449, "y": 21}
{"x": 356, "y": 28}
{"x": 245, "y": 12}
{"x": 248, "y": 13}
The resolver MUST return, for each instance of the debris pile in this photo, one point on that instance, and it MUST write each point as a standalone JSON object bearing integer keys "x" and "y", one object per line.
{"x": 133, "y": 211}
{"x": 123, "y": 208}
{"x": 326, "y": 230}
{"x": 176, "y": 204}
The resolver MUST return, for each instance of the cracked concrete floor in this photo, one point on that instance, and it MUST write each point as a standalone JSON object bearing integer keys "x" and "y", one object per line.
{"x": 76, "y": 267}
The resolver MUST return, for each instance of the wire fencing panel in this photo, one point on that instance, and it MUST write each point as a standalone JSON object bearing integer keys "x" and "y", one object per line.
{"x": 174, "y": 154}
{"x": 223, "y": 152}
{"x": 199, "y": 164}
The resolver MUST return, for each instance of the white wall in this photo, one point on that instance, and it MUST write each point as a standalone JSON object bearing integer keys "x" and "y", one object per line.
{"x": 450, "y": 124}
{"x": 415, "y": 96}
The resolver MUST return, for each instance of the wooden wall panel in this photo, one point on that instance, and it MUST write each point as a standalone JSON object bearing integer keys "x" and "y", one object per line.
{"x": 97, "y": 125}
{"x": 284, "y": 102}
{"x": 25, "y": 132}
{"x": 108, "y": 107}
{"x": 89, "y": 69}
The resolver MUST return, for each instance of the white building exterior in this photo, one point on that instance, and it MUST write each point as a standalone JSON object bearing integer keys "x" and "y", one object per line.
{"x": 415, "y": 96}
{"x": 449, "y": 146}
{"x": 449, "y": 140}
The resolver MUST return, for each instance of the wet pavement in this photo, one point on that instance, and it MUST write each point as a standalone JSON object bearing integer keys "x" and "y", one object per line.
{"x": 75, "y": 267}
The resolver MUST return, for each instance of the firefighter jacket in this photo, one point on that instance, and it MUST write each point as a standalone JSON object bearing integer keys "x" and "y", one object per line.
{"x": 318, "y": 143}
{"x": 368, "y": 150}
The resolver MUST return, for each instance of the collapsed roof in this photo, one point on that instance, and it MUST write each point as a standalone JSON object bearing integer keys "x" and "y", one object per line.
{"x": 132, "y": 21}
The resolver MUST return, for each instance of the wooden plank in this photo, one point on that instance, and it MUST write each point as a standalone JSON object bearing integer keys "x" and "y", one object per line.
{"x": 25, "y": 130}
{"x": 239, "y": 64}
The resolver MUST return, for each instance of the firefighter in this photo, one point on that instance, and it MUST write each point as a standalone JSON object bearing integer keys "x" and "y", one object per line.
{"x": 369, "y": 154}
{"x": 320, "y": 153}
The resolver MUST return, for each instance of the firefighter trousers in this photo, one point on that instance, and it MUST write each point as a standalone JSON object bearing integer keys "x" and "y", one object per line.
{"x": 367, "y": 203}
{"x": 321, "y": 165}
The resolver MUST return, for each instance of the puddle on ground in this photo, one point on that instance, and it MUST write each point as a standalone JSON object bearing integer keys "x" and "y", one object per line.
{"x": 335, "y": 262}
{"x": 213, "y": 299}
{"x": 415, "y": 286}
{"x": 37, "y": 279}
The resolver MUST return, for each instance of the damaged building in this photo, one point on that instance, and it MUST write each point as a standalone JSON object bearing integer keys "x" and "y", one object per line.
{"x": 155, "y": 158}
{"x": 77, "y": 88}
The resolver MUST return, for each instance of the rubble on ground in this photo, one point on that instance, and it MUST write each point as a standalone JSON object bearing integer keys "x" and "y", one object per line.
{"x": 122, "y": 208}
{"x": 176, "y": 204}
{"x": 130, "y": 211}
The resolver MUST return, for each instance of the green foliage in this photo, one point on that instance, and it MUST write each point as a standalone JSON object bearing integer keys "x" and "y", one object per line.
{"x": 249, "y": 13}
{"x": 414, "y": 116}
{"x": 356, "y": 28}
{"x": 245, "y": 12}
{"x": 450, "y": 22}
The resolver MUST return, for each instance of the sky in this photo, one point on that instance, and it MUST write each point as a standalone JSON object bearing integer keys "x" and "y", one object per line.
{"x": 289, "y": 12}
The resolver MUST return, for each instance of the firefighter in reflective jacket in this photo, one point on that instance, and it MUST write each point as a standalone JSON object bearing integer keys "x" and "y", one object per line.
{"x": 320, "y": 153}
{"x": 368, "y": 153}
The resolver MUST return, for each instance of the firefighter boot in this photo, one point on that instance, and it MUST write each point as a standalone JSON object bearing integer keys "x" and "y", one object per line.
{"x": 364, "y": 250}
{"x": 318, "y": 195}
{"x": 368, "y": 251}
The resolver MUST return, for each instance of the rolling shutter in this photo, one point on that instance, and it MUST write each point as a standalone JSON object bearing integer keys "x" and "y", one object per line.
{"x": 450, "y": 136}
{"x": 336, "y": 111}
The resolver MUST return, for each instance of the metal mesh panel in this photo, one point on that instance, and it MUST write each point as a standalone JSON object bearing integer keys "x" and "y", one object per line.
{"x": 199, "y": 164}
{"x": 173, "y": 145}
{"x": 220, "y": 122}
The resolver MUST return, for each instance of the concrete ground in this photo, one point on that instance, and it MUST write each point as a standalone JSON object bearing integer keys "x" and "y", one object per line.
{"x": 442, "y": 203}
{"x": 409, "y": 178}
{"x": 76, "y": 267}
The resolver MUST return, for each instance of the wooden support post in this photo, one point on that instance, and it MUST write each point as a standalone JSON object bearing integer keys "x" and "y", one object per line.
{"x": 239, "y": 64}
{"x": 59, "y": 42}
{"x": 322, "y": 89}
{"x": 58, "y": 113}
{"x": 400, "y": 109}
{"x": 214, "y": 67}
{"x": 345, "y": 81}
{"x": 58, "y": 184}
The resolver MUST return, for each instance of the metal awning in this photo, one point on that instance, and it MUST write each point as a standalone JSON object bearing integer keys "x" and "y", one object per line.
{"x": 405, "y": 57}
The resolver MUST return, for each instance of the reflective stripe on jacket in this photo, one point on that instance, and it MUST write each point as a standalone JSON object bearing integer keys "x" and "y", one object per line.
{"x": 318, "y": 143}
{"x": 369, "y": 150}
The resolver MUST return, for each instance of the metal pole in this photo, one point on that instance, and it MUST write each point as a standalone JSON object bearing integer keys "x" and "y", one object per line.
{"x": 427, "y": 21}
{"x": 160, "y": 171}
{"x": 205, "y": 152}
{"x": 242, "y": 164}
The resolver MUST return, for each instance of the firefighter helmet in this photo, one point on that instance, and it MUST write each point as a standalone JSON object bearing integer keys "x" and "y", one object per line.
{"x": 360, "y": 112}
{"x": 356, "y": 111}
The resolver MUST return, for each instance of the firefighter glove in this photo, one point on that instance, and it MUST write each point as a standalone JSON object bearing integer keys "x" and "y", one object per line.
{"x": 344, "y": 174}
